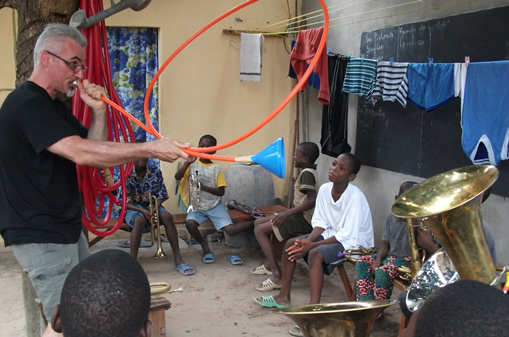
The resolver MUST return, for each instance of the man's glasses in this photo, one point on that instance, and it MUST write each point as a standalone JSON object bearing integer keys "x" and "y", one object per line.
{"x": 71, "y": 64}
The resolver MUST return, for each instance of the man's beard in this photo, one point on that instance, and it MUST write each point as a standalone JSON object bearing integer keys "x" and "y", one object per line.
{"x": 72, "y": 90}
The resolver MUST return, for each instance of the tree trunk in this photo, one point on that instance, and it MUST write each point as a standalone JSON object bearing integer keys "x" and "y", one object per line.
{"x": 32, "y": 17}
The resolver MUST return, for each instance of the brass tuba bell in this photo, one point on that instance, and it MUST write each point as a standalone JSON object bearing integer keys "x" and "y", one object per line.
{"x": 345, "y": 319}
{"x": 449, "y": 204}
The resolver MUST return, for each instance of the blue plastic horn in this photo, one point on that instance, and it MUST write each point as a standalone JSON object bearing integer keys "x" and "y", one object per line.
{"x": 272, "y": 158}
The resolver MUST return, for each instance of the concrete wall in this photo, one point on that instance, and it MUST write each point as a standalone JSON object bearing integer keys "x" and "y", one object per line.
{"x": 348, "y": 21}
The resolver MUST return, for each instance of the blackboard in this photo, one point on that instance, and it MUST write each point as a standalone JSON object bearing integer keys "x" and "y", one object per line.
{"x": 410, "y": 140}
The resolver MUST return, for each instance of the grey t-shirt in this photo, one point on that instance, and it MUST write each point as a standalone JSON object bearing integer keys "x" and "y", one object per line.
{"x": 396, "y": 232}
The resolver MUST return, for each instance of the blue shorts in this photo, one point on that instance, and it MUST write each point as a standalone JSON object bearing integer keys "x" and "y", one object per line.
{"x": 130, "y": 215}
{"x": 217, "y": 214}
{"x": 329, "y": 253}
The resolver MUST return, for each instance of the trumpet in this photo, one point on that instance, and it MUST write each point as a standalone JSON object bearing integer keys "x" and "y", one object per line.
{"x": 154, "y": 211}
{"x": 194, "y": 192}
{"x": 361, "y": 251}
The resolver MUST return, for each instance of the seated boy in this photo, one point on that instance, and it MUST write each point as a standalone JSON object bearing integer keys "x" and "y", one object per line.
{"x": 341, "y": 220}
{"x": 212, "y": 185}
{"x": 145, "y": 181}
{"x": 374, "y": 273}
{"x": 290, "y": 222}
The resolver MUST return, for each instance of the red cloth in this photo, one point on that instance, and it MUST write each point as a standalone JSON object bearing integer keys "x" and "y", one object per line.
{"x": 302, "y": 54}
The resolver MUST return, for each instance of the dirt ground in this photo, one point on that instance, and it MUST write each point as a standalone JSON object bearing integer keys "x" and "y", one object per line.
{"x": 216, "y": 301}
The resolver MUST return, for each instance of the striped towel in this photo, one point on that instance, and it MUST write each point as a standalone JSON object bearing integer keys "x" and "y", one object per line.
{"x": 360, "y": 77}
{"x": 251, "y": 50}
{"x": 391, "y": 82}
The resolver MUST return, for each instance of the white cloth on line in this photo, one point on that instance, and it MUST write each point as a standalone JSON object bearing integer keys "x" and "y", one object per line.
{"x": 251, "y": 50}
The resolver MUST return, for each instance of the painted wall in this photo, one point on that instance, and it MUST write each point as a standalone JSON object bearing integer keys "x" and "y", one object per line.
{"x": 7, "y": 66}
{"x": 200, "y": 91}
{"x": 347, "y": 22}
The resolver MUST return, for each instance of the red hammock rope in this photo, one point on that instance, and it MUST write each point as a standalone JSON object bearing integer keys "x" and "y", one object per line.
{"x": 94, "y": 189}
{"x": 101, "y": 189}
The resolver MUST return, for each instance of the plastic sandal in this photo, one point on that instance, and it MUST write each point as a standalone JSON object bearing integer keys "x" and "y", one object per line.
{"x": 268, "y": 285}
{"x": 234, "y": 259}
{"x": 260, "y": 270}
{"x": 270, "y": 302}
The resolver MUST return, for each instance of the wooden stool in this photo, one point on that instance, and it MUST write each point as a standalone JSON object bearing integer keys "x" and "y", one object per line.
{"x": 350, "y": 292}
{"x": 158, "y": 305}
{"x": 402, "y": 285}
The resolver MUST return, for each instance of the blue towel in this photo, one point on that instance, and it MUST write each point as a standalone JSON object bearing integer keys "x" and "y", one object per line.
{"x": 430, "y": 85}
{"x": 485, "y": 115}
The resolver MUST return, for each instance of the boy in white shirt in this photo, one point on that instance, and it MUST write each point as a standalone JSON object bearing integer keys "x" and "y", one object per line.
{"x": 342, "y": 220}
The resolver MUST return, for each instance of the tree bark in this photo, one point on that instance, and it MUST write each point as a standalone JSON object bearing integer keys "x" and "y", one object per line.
{"x": 32, "y": 18}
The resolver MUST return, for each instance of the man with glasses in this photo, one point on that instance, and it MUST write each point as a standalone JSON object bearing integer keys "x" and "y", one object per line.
{"x": 40, "y": 143}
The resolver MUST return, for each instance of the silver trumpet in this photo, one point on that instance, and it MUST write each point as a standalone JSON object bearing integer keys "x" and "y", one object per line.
{"x": 194, "y": 192}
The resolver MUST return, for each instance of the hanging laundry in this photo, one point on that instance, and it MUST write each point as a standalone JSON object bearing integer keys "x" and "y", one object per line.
{"x": 360, "y": 77}
{"x": 391, "y": 82}
{"x": 485, "y": 115}
{"x": 302, "y": 55}
{"x": 460, "y": 77}
{"x": 430, "y": 85}
{"x": 313, "y": 79}
{"x": 334, "y": 140}
{"x": 251, "y": 51}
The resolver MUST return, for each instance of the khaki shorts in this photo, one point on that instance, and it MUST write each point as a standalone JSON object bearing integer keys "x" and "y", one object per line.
{"x": 294, "y": 224}
{"x": 48, "y": 265}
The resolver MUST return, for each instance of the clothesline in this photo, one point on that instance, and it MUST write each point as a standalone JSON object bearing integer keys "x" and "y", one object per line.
{"x": 480, "y": 86}
{"x": 291, "y": 26}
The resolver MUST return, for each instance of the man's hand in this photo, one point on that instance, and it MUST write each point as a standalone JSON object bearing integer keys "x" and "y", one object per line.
{"x": 91, "y": 94}
{"x": 168, "y": 149}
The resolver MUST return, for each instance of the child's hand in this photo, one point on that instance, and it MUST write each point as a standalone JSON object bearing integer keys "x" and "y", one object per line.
{"x": 278, "y": 218}
{"x": 425, "y": 241}
{"x": 298, "y": 250}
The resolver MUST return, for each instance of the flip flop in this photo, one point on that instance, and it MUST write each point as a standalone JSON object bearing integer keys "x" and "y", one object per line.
{"x": 295, "y": 331}
{"x": 185, "y": 269}
{"x": 270, "y": 302}
{"x": 234, "y": 259}
{"x": 208, "y": 258}
{"x": 260, "y": 270}
{"x": 268, "y": 285}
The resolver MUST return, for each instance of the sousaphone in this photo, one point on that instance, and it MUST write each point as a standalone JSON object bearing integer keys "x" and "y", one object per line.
{"x": 449, "y": 204}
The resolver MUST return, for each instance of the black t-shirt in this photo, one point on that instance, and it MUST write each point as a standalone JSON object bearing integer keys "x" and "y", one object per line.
{"x": 39, "y": 196}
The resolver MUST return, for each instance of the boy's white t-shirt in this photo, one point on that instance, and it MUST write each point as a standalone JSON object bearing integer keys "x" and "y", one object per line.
{"x": 348, "y": 218}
